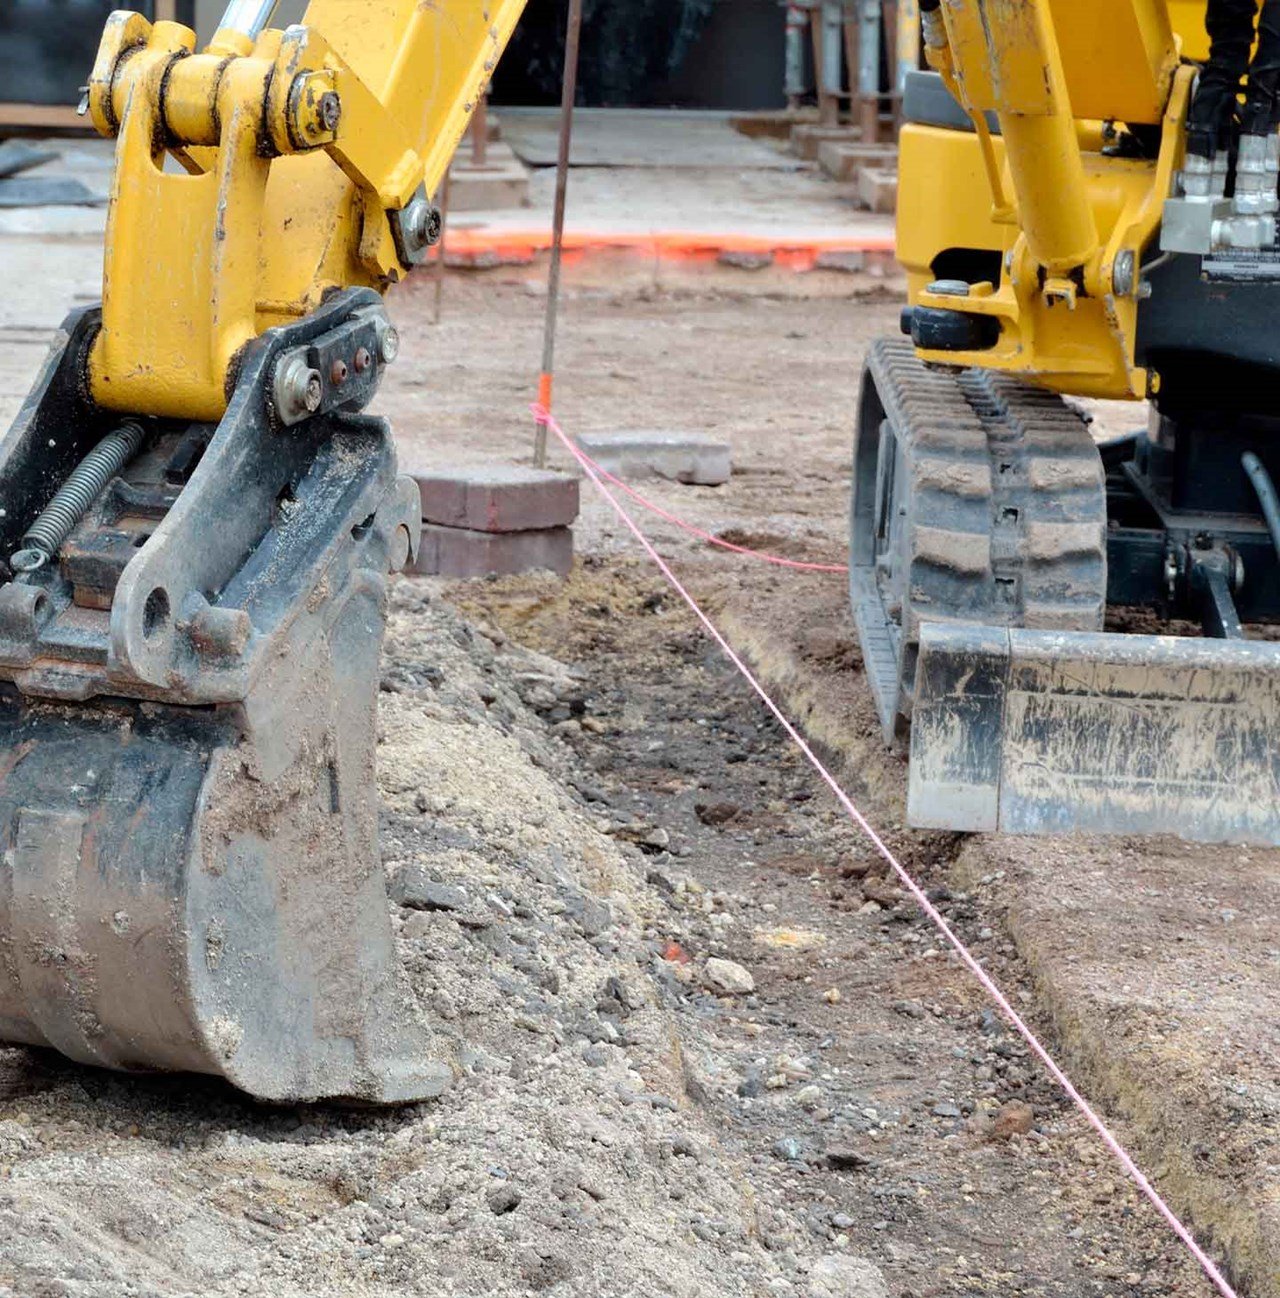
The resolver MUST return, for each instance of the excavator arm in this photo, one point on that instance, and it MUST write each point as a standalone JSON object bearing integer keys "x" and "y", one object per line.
{"x": 257, "y": 176}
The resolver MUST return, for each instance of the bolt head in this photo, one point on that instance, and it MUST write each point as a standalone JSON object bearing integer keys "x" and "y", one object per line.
{"x": 389, "y": 344}
{"x": 422, "y": 224}
{"x": 313, "y": 391}
{"x": 362, "y": 360}
{"x": 1123, "y": 273}
{"x": 338, "y": 372}
{"x": 329, "y": 110}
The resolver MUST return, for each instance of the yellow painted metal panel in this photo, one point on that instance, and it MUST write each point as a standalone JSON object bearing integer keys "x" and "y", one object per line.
{"x": 1118, "y": 58}
{"x": 1187, "y": 17}
{"x": 199, "y": 264}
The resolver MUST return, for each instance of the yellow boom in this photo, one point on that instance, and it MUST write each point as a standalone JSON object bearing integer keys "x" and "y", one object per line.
{"x": 256, "y": 176}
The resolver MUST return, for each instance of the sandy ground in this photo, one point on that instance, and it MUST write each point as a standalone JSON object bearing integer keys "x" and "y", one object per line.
{"x": 1198, "y": 1105}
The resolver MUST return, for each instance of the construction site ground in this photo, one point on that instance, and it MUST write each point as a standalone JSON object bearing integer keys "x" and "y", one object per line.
{"x": 603, "y": 806}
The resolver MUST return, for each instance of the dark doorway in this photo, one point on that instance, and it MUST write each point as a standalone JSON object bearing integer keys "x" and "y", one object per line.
{"x": 725, "y": 54}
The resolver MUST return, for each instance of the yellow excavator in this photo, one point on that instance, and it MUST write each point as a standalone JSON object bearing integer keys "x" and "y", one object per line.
{"x": 1073, "y": 631}
{"x": 196, "y": 527}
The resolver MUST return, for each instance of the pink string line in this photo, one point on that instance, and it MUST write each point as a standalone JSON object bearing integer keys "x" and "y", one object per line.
{"x": 709, "y": 537}
{"x": 989, "y": 985}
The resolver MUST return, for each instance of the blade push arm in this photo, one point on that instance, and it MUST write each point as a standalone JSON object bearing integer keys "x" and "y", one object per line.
{"x": 306, "y": 161}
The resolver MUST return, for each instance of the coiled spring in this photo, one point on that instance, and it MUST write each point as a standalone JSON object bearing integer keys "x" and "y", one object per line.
{"x": 45, "y": 536}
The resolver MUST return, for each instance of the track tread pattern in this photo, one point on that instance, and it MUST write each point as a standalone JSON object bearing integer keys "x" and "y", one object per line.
{"x": 1005, "y": 515}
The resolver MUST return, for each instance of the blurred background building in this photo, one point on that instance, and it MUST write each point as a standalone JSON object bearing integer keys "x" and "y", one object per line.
{"x": 725, "y": 54}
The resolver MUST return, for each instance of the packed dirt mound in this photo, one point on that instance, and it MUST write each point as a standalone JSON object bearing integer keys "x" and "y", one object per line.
{"x": 565, "y": 1158}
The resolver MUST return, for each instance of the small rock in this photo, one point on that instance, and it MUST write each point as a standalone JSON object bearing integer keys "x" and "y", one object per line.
{"x": 729, "y": 977}
{"x": 839, "y": 1276}
{"x": 842, "y": 1221}
{"x": 415, "y": 889}
{"x": 663, "y": 882}
{"x": 1013, "y": 1119}
{"x": 683, "y": 1147}
{"x": 946, "y": 1110}
{"x": 809, "y": 1097}
{"x": 832, "y": 995}
{"x": 842, "y": 261}
{"x": 503, "y": 1199}
{"x": 717, "y": 813}
{"x": 789, "y": 1148}
{"x": 592, "y": 917}
{"x": 743, "y": 260}
{"x": 880, "y": 890}
{"x": 849, "y": 1160}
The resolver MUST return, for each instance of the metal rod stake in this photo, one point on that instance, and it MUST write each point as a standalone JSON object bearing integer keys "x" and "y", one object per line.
{"x": 569, "y": 94}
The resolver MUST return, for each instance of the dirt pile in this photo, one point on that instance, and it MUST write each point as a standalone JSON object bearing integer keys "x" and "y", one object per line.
{"x": 568, "y": 1156}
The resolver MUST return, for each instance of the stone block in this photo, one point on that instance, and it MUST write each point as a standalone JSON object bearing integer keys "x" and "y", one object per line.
{"x": 460, "y": 552}
{"x": 844, "y": 162}
{"x": 497, "y": 497}
{"x": 878, "y": 190}
{"x": 806, "y": 140}
{"x": 680, "y": 457}
{"x": 503, "y": 182}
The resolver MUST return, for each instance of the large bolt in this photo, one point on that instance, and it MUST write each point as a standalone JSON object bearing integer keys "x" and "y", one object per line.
{"x": 1123, "y": 273}
{"x": 299, "y": 390}
{"x": 388, "y": 342}
{"x": 329, "y": 110}
{"x": 421, "y": 223}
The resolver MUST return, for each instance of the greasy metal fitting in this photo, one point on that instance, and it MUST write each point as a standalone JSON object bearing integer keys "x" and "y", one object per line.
{"x": 315, "y": 110}
{"x": 388, "y": 343}
{"x": 416, "y": 227}
{"x": 1124, "y": 273}
{"x": 298, "y": 389}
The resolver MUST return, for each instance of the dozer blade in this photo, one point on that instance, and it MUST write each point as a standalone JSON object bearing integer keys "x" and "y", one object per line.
{"x": 1042, "y": 732}
{"x": 189, "y": 868}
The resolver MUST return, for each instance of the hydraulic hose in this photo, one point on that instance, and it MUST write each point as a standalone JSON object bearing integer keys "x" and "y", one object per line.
{"x": 1262, "y": 102}
{"x": 1267, "y": 497}
{"x": 1231, "y": 29}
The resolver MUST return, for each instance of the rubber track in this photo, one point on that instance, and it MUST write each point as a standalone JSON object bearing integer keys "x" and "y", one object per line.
{"x": 1006, "y": 514}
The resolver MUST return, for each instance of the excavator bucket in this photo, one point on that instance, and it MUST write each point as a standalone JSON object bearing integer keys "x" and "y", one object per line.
{"x": 1044, "y": 732}
{"x": 189, "y": 867}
